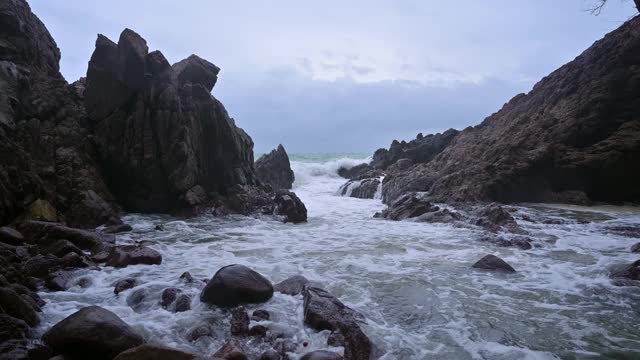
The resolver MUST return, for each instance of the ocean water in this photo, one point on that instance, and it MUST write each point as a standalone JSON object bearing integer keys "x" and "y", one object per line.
{"x": 412, "y": 281}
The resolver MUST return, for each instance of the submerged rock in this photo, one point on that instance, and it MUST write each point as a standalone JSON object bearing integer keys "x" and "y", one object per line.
{"x": 275, "y": 169}
{"x": 92, "y": 332}
{"x": 199, "y": 332}
{"x": 168, "y": 296}
{"x": 183, "y": 303}
{"x": 492, "y": 262}
{"x": 270, "y": 355}
{"x": 260, "y": 315}
{"x": 11, "y": 303}
{"x": 231, "y": 350}
{"x": 124, "y": 284}
{"x": 236, "y": 284}
{"x": 631, "y": 272}
{"x": 123, "y": 256}
{"x": 292, "y": 286}
{"x": 154, "y": 352}
{"x": 635, "y": 248}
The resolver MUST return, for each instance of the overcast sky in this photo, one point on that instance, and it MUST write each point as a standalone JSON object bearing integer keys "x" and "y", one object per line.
{"x": 347, "y": 76}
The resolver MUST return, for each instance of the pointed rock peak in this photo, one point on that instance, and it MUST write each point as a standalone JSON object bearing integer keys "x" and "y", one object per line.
{"x": 104, "y": 41}
{"x": 281, "y": 149}
{"x": 197, "y": 70}
{"x": 130, "y": 37}
{"x": 156, "y": 62}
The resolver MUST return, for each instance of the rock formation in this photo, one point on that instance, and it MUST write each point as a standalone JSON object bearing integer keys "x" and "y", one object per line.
{"x": 274, "y": 169}
{"x": 575, "y": 138}
{"x": 45, "y": 149}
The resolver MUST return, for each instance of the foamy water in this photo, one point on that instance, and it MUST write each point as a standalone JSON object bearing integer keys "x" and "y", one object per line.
{"x": 412, "y": 281}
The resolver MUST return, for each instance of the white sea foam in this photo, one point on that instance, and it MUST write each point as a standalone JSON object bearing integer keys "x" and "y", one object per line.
{"x": 412, "y": 281}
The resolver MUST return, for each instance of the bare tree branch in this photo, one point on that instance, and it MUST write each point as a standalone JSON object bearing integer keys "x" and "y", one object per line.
{"x": 597, "y": 8}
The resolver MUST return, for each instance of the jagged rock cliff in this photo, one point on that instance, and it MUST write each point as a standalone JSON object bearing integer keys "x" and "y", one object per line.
{"x": 575, "y": 138}
{"x": 274, "y": 169}
{"x": 46, "y": 164}
{"x": 164, "y": 141}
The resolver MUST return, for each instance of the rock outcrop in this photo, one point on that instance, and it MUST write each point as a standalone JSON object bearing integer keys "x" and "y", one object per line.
{"x": 574, "y": 138}
{"x": 234, "y": 285}
{"x": 420, "y": 150}
{"x": 46, "y": 153}
{"x": 164, "y": 141}
{"x": 493, "y": 263}
{"x": 274, "y": 169}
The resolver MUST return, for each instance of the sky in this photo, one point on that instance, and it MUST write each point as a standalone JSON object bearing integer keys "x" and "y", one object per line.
{"x": 347, "y": 76}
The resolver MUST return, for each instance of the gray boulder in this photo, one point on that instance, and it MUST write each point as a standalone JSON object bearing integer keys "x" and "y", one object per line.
{"x": 234, "y": 285}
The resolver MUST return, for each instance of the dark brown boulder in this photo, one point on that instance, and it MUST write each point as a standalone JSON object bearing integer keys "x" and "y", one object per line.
{"x": 409, "y": 206}
{"x": 231, "y": 350}
{"x": 239, "y": 321}
{"x": 41, "y": 265}
{"x": 154, "y": 352}
{"x": 125, "y": 284}
{"x": 92, "y": 332}
{"x": 354, "y": 172}
{"x": 12, "y": 328}
{"x": 61, "y": 248}
{"x": 168, "y": 296}
{"x": 292, "y": 286}
{"x": 289, "y": 205}
{"x": 117, "y": 229}
{"x": 123, "y": 256}
{"x": 234, "y": 285}
{"x": 183, "y": 303}
{"x": 494, "y": 263}
{"x": 270, "y": 355}
{"x": 321, "y": 355}
{"x": 199, "y": 332}
{"x": 15, "y": 305}
{"x": 274, "y": 169}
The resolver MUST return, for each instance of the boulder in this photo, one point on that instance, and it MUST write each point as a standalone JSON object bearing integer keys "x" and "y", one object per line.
{"x": 494, "y": 217}
{"x": 12, "y": 328}
{"x": 292, "y": 286}
{"x": 635, "y": 248}
{"x": 183, "y": 303}
{"x": 239, "y": 321}
{"x": 270, "y": 355}
{"x": 42, "y": 210}
{"x": 409, "y": 206}
{"x": 59, "y": 280}
{"x": 494, "y": 263}
{"x": 290, "y": 206}
{"x": 258, "y": 331}
{"x": 231, "y": 350}
{"x": 61, "y": 248}
{"x": 322, "y": 311}
{"x": 236, "y": 284}
{"x": 11, "y": 236}
{"x": 48, "y": 232}
{"x": 321, "y": 355}
{"x": 137, "y": 298}
{"x": 361, "y": 189}
{"x": 186, "y": 276}
{"x": 631, "y": 272}
{"x": 117, "y": 229}
{"x": 125, "y": 284}
{"x": 274, "y": 169}
{"x": 354, "y": 172}
{"x": 260, "y": 315}
{"x": 168, "y": 296}
{"x": 41, "y": 265}
{"x": 520, "y": 242}
{"x": 199, "y": 332}
{"x": 154, "y": 352}
{"x": 123, "y": 256}
{"x": 92, "y": 332}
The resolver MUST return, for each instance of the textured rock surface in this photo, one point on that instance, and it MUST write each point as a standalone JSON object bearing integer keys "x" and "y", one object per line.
{"x": 92, "y": 332}
{"x": 45, "y": 148}
{"x": 164, "y": 141}
{"x": 274, "y": 169}
{"x": 154, "y": 352}
{"x": 492, "y": 262}
{"x": 361, "y": 189}
{"x": 289, "y": 205}
{"x": 574, "y": 138}
{"x": 420, "y": 150}
{"x": 236, "y": 284}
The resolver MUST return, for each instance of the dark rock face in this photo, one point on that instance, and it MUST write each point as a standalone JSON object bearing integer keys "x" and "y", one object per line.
{"x": 355, "y": 172}
{"x": 274, "y": 169}
{"x": 292, "y": 286}
{"x": 154, "y": 352}
{"x": 289, "y": 205}
{"x": 92, "y": 332}
{"x": 43, "y": 232}
{"x": 239, "y": 321}
{"x": 409, "y": 206}
{"x": 231, "y": 350}
{"x": 165, "y": 143}
{"x": 492, "y": 262}
{"x": 45, "y": 151}
{"x": 519, "y": 242}
{"x": 16, "y": 306}
{"x": 631, "y": 272}
{"x": 183, "y": 303}
{"x": 322, "y": 311}
{"x": 574, "y": 138}
{"x": 421, "y": 150}
{"x": 321, "y": 355}
{"x": 235, "y": 285}
{"x": 361, "y": 189}
{"x": 11, "y": 236}
{"x": 125, "y": 284}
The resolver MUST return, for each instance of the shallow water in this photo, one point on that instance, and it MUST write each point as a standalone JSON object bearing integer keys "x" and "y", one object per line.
{"x": 412, "y": 281}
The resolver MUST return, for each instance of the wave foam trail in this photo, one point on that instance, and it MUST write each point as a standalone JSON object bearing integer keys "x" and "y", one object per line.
{"x": 306, "y": 171}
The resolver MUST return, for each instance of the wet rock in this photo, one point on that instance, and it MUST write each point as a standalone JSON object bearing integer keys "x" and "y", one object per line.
{"x": 101, "y": 252}
{"x": 92, "y": 332}
{"x": 401, "y": 164}
{"x": 15, "y": 305}
{"x": 125, "y": 284}
{"x": 236, "y": 284}
{"x": 321, "y": 355}
{"x": 117, "y": 229}
{"x": 159, "y": 227}
{"x": 492, "y": 262}
{"x": 186, "y": 276}
{"x": 198, "y": 332}
{"x": 136, "y": 299}
{"x": 61, "y": 248}
{"x": 123, "y": 256}
{"x": 59, "y": 280}
{"x": 361, "y": 189}
{"x": 442, "y": 216}
{"x": 12, "y": 328}
{"x": 291, "y": 286}
{"x": 168, "y": 296}
{"x": 284, "y": 346}
{"x": 635, "y": 248}
{"x": 41, "y": 210}
{"x": 421, "y": 150}
{"x": 260, "y": 315}
{"x": 11, "y": 236}
{"x": 494, "y": 217}
{"x": 354, "y": 172}
{"x": 335, "y": 339}
{"x": 289, "y": 205}
{"x": 41, "y": 265}
{"x": 24, "y": 291}
{"x": 408, "y": 206}
{"x": 183, "y": 303}
{"x": 81, "y": 238}
{"x": 258, "y": 331}
{"x": 73, "y": 260}
{"x": 39, "y": 352}
{"x": 270, "y": 355}
{"x": 631, "y": 272}
{"x": 275, "y": 169}
{"x": 154, "y": 352}
{"x": 520, "y": 242}
{"x": 322, "y": 311}
{"x": 239, "y": 321}
{"x": 85, "y": 282}
{"x": 630, "y": 231}
{"x": 231, "y": 350}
